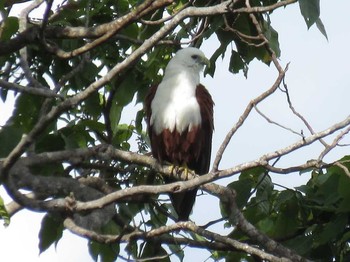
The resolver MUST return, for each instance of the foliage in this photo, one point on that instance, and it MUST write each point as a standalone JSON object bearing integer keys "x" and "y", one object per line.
{"x": 84, "y": 91}
{"x": 312, "y": 219}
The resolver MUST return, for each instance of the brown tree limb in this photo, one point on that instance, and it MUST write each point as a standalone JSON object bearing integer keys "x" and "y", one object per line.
{"x": 264, "y": 9}
{"x": 45, "y": 92}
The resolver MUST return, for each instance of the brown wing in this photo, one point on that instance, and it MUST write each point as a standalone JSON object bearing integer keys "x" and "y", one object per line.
{"x": 148, "y": 112}
{"x": 205, "y": 132}
{"x": 191, "y": 148}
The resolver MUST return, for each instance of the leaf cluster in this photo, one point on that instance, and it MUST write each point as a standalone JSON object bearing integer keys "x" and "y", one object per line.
{"x": 312, "y": 219}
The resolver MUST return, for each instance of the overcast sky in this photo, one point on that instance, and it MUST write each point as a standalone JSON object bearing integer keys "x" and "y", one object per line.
{"x": 319, "y": 87}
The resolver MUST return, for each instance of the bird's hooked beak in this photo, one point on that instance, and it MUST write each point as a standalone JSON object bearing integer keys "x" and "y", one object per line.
{"x": 205, "y": 61}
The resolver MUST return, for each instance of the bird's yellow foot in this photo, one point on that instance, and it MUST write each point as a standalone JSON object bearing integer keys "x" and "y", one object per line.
{"x": 177, "y": 171}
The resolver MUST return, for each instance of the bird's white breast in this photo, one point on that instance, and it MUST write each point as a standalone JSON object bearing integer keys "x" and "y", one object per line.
{"x": 175, "y": 104}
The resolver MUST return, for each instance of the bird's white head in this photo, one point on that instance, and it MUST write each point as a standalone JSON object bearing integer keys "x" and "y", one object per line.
{"x": 189, "y": 58}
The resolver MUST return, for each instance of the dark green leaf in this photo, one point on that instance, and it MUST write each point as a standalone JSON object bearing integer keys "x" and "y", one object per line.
{"x": 132, "y": 248}
{"x": 178, "y": 251}
{"x": 26, "y": 113}
{"x": 114, "y": 116}
{"x": 301, "y": 244}
{"x": 154, "y": 249}
{"x": 50, "y": 232}
{"x": 219, "y": 52}
{"x": 49, "y": 143}
{"x": 75, "y": 136}
{"x": 310, "y": 10}
{"x": 243, "y": 188}
{"x": 9, "y": 28}
{"x": 9, "y": 137}
{"x": 127, "y": 89}
{"x": 332, "y": 229}
{"x": 321, "y": 27}
{"x": 287, "y": 222}
{"x": 272, "y": 35}
{"x": 237, "y": 64}
{"x": 3, "y": 92}
{"x": 93, "y": 125}
{"x": 93, "y": 106}
{"x": 267, "y": 225}
{"x": 103, "y": 252}
{"x": 122, "y": 135}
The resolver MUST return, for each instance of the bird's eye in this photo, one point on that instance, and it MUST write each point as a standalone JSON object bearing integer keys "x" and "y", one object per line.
{"x": 194, "y": 56}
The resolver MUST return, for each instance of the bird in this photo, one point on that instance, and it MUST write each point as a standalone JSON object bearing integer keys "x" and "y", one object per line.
{"x": 179, "y": 117}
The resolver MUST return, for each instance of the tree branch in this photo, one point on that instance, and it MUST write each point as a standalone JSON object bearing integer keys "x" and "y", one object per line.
{"x": 45, "y": 92}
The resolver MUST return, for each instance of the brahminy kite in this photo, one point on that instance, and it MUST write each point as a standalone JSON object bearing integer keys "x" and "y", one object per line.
{"x": 179, "y": 115}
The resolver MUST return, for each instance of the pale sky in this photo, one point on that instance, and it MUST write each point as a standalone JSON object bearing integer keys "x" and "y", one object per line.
{"x": 319, "y": 87}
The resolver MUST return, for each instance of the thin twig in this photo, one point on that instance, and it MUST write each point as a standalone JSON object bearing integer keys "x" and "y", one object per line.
{"x": 29, "y": 90}
{"x": 334, "y": 143}
{"x": 302, "y": 118}
{"x": 269, "y": 120}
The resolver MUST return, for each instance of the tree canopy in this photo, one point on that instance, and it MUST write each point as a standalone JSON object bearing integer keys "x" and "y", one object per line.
{"x": 75, "y": 70}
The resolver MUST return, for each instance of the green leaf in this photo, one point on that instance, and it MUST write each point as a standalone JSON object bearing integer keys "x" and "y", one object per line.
{"x": 266, "y": 225}
{"x": 301, "y": 244}
{"x": 253, "y": 173}
{"x": 3, "y": 213}
{"x": 9, "y": 137}
{"x": 3, "y": 92}
{"x": 286, "y": 223}
{"x": 332, "y": 229}
{"x": 219, "y": 52}
{"x": 50, "y": 232}
{"x": 138, "y": 121}
{"x": 132, "y": 248}
{"x": 178, "y": 251}
{"x": 127, "y": 89}
{"x": 9, "y": 28}
{"x": 263, "y": 193}
{"x": 93, "y": 125}
{"x": 272, "y": 35}
{"x": 49, "y": 143}
{"x": 114, "y": 116}
{"x": 154, "y": 249}
{"x": 225, "y": 39}
{"x": 103, "y": 252}
{"x": 321, "y": 27}
{"x": 284, "y": 197}
{"x": 93, "y": 106}
{"x": 26, "y": 112}
{"x": 75, "y": 136}
{"x": 264, "y": 187}
{"x": 310, "y": 10}
{"x": 237, "y": 64}
{"x": 243, "y": 188}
